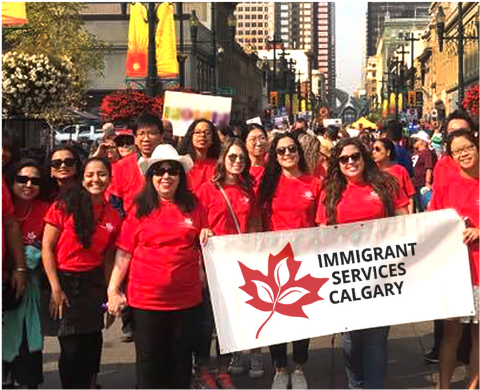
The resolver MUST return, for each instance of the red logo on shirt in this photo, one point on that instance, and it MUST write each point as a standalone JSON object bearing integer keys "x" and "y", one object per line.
{"x": 279, "y": 291}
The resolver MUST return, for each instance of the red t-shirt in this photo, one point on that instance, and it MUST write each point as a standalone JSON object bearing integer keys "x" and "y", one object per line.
{"x": 218, "y": 214}
{"x": 257, "y": 175}
{"x": 165, "y": 249}
{"x": 444, "y": 169}
{"x": 462, "y": 194}
{"x": 294, "y": 204}
{"x": 7, "y": 212}
{"x": 127, "y": 180}
{"x": 70, "y": 255}
{"x": 403, "y": 179}
{"x": 32, "y": 226}
{"x": 320, "y": 171}
{"x": 359, "y": 202}
{"x": 201, "y": 172}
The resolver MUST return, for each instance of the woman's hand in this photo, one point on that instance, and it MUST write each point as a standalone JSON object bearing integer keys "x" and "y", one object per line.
{"x": 19, "y": 282}
{"x": 204, "y": 235}
{"x": 470, "y": 235}
{"x": 58, "y": 301}
{"x": 116, "y": 302}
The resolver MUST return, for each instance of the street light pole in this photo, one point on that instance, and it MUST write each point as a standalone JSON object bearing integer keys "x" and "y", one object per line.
{"x": 214, "y": 47}
{"x": 152, "y": 75}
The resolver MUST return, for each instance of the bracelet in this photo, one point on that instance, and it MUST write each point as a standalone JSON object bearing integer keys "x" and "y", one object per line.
{"x": 21, "y": 269}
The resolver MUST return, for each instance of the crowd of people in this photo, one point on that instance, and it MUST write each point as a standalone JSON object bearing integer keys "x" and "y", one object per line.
{"x": 119, "y": 234}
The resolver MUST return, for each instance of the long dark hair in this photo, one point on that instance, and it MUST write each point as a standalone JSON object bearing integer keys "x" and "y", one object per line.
{"x": 389, "y": 146}
{"x": 53, "y": 184}
{"x": 10, "y": 143}
{"x": 28, "y": 162}
{"x": 186, "y": 146}
{"x": 335, "y": 182}
{"x": 77, "y": 201}
{"x": 245, "y": 180}
{"x": 148, "y": 200}
{"x": 273, "y": 170}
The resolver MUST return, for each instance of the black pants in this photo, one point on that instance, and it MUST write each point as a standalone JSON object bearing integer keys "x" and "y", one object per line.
{"x": 80, "y": 355}
{"x": 279, "y": 353}
{"x": 164, "y": 345}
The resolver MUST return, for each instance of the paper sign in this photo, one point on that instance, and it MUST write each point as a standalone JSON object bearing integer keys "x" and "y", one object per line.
{"x": 277, "y": 287}
{"x": 255, "y": 120}
{"x": 183, "y": 108}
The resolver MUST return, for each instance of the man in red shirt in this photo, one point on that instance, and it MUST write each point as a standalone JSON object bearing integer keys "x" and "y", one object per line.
{"x": 127, "y": 177}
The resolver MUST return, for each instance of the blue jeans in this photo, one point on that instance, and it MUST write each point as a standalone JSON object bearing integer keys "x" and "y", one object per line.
{"x": 366, "y": 354}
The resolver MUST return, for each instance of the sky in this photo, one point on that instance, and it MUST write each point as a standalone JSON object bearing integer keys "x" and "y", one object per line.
{"x": 350, "y": 35}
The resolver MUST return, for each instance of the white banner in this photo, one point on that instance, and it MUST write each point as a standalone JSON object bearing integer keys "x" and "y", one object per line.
{"x": 183, "y": 108}
{"x": 271, "y": 288}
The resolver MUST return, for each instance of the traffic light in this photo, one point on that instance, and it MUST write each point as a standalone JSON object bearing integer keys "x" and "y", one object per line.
{"x": 273, "y": 99}
{"x": 411, "y": 99}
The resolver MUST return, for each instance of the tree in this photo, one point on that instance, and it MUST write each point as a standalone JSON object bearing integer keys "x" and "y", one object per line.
{"x": 58, "y": 31}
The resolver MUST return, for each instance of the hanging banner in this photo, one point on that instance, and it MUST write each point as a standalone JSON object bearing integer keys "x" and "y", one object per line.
{"x": 385, "y": 108}
{"x": 166, "y": 49}
{"x": 392, "y": 103}
{"x": 295, "y": 104}
{"x": 137, "y": 52}
{"x": 14, "y": 14}
{"x": 400, "y": 102}
{"x": 183, "y": 108}
{"x": 277, "y": 287}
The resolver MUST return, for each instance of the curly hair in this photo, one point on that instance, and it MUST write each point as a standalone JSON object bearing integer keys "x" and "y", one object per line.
{"x": 273, "y": 170}
{"x": 335, "y": 183}
{"x": 186, "y": 146}
{"x": 221, "y": 173}
{"x": 148, "y": 200}
{"x": 311, "y": 148}
{"x": 77, "y": 201}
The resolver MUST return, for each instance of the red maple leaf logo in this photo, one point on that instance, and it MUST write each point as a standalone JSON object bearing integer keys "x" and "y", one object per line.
{"x": 279, "y": 291}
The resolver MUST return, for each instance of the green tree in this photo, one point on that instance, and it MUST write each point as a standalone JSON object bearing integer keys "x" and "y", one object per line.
{"x": 58, "y": 31}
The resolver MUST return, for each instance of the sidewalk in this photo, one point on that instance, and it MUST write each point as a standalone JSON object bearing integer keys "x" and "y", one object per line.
{"x": 324, "y": 370}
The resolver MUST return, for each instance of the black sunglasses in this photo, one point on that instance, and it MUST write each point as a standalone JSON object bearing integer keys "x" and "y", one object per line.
{"x": 160, "y": 171}
{"x": 233, "y": 157}
{"x": 345, "y": 159}
{"x": 292, "y": 149}
{"x": 69, "y": 163}
{"x": 124, "y": 141}
{"x": 36, "y": 181}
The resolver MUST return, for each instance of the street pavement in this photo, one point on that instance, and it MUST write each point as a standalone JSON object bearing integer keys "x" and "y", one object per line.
{"x": 324, "y": 369}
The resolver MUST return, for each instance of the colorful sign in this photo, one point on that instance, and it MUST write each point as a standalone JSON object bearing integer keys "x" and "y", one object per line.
{"x": 183, "y": 108}
{"x": 277, "y": 287}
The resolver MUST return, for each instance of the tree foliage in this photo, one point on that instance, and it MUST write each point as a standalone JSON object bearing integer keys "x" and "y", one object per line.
{"x": 58, "y": 31}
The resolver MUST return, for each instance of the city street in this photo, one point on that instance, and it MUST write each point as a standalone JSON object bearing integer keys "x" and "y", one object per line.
{"x": 324, "y": 370}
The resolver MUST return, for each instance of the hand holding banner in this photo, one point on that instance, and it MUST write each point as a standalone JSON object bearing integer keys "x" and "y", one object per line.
{"x": 271, "y": 288}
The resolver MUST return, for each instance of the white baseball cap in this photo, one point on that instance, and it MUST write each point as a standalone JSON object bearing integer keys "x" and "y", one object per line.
{"x": 422, "y": 135}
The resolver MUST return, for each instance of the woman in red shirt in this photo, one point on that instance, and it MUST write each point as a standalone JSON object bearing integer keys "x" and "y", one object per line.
{"x": 159, "y": 246}
{"x": 65, "y": 167}
{"x": 28, "y": 189}
{"x": 383, "y": 153}
{"x": 288, "y": 198}
{"x": 202, "y": 144}
{"x": 77, "y": 253}
{"x": 356, "y": 189}
{"x": 461, "y": 192}
{"x": 256, "y": 140}
{"x": 231, "y": 184}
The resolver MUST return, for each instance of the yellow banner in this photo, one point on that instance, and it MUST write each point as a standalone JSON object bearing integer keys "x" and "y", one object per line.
{"x": 392, "y": 103}
{"x": 400, "y": 102}
{"x": 14, "y": 14}
{"x": 137, "y": 52}
{"x": 167, "y": 64}
{"x": 295, "y": 103}
{"x": 385, "y": 108}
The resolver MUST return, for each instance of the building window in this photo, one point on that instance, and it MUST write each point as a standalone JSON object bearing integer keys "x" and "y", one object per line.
{"x": 284, "y": 22}
{"x": 284, "y": 7}
{"x": 247, "y": 9}
{"x": 254, "y": 16}
{"x": 247, "y": 24}
{"x": 254, "y": 24}
{"x": 247, "y": 16}
{"x": 254, "y": 9}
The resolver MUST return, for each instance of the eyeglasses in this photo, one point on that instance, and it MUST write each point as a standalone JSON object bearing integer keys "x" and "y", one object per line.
{"x": 149, "y": 133}
{"x": 206, "y": 133}
{"x": 258, "y": 140}
{"x": 292, "y": 149}
{"x": 172, "y": 171}
{"x": 233, "y": 157}
{"x": 36, "y": 181}
{"x": 346, "y": 159}
{"x": 466, "y": 149}
{"x": 377, "y": 149}
{"x": 124, "y": 142}
{"x": 57, "y": 164}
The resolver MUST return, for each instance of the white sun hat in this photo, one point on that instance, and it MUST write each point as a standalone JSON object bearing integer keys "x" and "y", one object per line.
{"x": 422, "y": 135}
{"x": 166, "y": 152}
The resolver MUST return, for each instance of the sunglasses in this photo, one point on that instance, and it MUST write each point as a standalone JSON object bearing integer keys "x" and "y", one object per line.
{"x": 346, "y": 159}
{"x": 292, "y": 149}
{"x": 36, "y": 181}
{"x": 123, "y": 142}
{"x": 69, "y": 163}
{"x": 233, "y": 157}
{"x": 172, "y": 171}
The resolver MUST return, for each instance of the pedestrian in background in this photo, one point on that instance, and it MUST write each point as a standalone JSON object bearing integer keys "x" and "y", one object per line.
{"x": 159, "y": 247}
{"x": 77, "y": 255}
{"x": 462, "y": 146}
{"x": 256, "y": 141}
{"x": 65, "y": 167}
{"x": 354, "y": 190}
